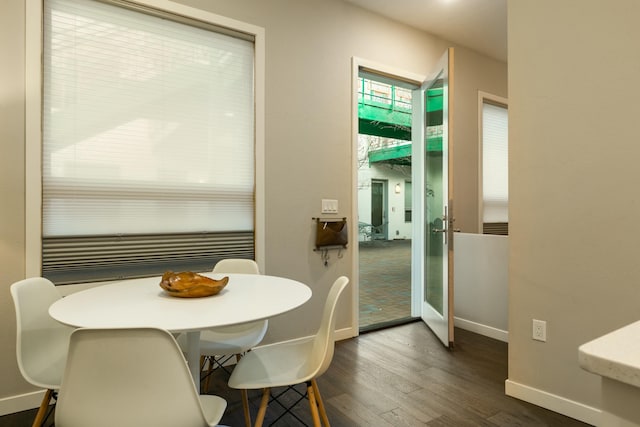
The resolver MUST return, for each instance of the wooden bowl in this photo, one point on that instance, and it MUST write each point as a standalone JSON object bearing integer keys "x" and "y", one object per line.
{"x": 191, "y": 285}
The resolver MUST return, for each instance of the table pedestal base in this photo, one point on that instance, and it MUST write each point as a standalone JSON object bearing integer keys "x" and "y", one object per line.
{"x": 193, "y": 357}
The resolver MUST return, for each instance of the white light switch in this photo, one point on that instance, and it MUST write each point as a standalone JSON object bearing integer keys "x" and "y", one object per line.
{"x": 329, "y": 206}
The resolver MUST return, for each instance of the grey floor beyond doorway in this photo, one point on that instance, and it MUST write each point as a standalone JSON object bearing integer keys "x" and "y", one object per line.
{"x": 385, "y": 282}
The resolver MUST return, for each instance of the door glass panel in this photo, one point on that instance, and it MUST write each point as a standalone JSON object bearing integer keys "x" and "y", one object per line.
{"x": 437, "y": 301}
{"x": 435, "y": 197}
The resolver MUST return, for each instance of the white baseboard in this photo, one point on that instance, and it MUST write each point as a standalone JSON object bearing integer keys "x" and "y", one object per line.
{"x": 487, "y": 331}
{"x": 345, "y": 333}
{"x": 559, "y": 404}
{"x": 21, "y": 402}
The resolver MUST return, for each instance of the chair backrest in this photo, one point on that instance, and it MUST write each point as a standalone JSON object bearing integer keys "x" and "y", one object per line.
{"x": 324, "y": 341}
{"x": 236, "y": 265}
{"x": 41, "y": 341}
{"x": 255, "y": 329}
{"x": 127, "y": 377}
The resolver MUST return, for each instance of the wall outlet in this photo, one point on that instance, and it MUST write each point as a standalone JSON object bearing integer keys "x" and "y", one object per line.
{"x": 539, "y": 330}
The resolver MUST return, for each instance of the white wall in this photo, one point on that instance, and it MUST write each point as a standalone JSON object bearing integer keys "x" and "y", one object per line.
{"x": 480, "y": 276}
{"x": 573, "y": 208}
{"x": 397, "y": 227}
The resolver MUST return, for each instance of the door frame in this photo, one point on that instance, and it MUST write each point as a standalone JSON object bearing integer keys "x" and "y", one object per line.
{"x": 417, "y": 271}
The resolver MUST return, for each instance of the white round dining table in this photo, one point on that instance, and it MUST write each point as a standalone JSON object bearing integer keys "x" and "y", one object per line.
{"x": 142, "y": 302}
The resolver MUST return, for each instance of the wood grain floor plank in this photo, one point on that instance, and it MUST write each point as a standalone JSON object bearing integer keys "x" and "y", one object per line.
{"x": 383, "y": 401}
{"x": 452, "y": 386}
{"x": 503, "y": 419}
{"x": 448, "y": 405}
{"x": 378, "y": 370}
{"x": 359, "y": 414}
{"x": 458, "y": 421}
{"x": 402, "y": 418}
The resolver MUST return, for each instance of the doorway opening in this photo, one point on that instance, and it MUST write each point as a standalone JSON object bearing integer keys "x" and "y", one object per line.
{"x": 384, "y": 201}
{"x": 403, "y": 138}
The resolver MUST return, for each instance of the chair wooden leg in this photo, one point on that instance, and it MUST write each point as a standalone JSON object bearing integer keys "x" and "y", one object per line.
{"x": 245, "y": 401}
{"x": 263, "y": 407}
{"x": 245, "y": 408}
{"x": 42, "y": 411}
{"x": 313, "y": 405}
{"x": 323, "y": 412}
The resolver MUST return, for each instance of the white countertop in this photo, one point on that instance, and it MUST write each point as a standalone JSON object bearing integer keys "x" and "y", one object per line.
{"x": 615, "y": 355}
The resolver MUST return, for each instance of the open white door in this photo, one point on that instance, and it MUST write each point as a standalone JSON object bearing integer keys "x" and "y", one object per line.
{"x": 433, "y": 143}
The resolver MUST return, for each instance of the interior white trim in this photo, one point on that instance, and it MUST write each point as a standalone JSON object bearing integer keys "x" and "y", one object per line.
{"x": 33, "y": 137}
{"x": 386, "y": 70}
{"x": 21, "y": 402}
{"x": 355, "y": 276}
{"x": 345, "y": 334}
{"x": 562, "y": 405}
{"x": 478, "y": 328}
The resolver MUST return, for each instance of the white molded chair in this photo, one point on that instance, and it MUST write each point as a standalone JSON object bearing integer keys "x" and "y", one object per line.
{"x": 41, "y": 341}
{"x": 291, "y": 363}
{"x": 217, "y": 345}
{"x": 131, "y": 377}
{"x": 236, "y": 265}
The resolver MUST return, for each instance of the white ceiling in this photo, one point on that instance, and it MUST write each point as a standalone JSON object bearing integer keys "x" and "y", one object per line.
{"x": 480, "y": 25}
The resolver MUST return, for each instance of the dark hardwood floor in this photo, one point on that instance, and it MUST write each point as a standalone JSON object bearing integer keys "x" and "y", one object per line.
{"x": 401, "y": 376}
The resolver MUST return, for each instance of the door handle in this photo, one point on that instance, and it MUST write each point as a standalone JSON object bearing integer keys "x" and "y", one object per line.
{"x": 438, "y": 230}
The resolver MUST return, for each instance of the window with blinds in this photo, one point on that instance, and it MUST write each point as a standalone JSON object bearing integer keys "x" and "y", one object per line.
{"x": 148, "y": 143}
{"x": 495, "y": 171}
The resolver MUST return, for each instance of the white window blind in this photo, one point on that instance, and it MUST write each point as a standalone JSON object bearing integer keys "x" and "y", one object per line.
{"x": 148, "y": 127}
{"x": 495, "y": 172}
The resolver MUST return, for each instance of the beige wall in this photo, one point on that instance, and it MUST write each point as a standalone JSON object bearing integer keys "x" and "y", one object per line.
{"x": 473, "y": 73}
{"x": 12, "y": 198}
{"x": 309, "y": 46}
{"x": 573, "y": 133}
